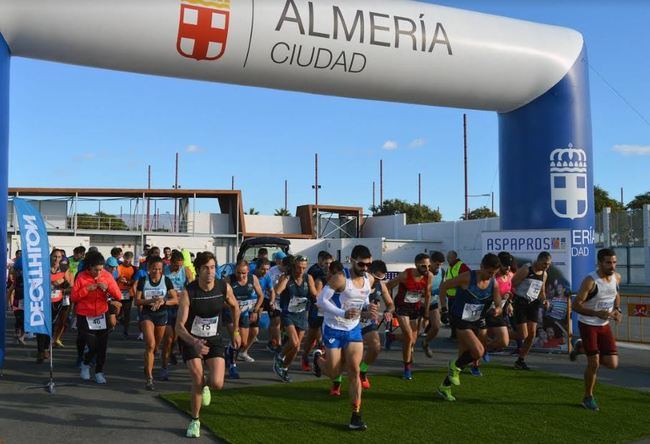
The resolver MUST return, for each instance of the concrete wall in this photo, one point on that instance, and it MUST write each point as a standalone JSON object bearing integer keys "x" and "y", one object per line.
{"x": 222, "y": 248}
{"x": 67, "y": 243}
{"x": 210, "y": 223}
{"x": 272, "y": 224}
{"x": 462, "y": 236}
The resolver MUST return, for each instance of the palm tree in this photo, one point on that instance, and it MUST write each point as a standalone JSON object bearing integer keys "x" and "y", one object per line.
{"x": 282, "y": 212}
{"x": 253, "y": 211}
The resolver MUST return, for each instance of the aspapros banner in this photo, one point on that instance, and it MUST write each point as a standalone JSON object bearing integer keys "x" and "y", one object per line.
{"x": 36, "y": 268}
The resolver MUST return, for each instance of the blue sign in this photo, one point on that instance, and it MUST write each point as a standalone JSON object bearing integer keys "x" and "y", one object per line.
{"x": 36, "y": 268}
{"x": 4, "y": 147}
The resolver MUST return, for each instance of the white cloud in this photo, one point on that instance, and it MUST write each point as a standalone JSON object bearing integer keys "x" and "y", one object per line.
{"x": 194, "y": 149}
{"x": 418, "y": 143}
{"x": 635, "y": 150}
{"x": 390, "y": 145}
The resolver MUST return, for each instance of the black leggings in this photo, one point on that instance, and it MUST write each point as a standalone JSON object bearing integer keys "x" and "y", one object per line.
{"x": 43, "y": 341}
{"x": 20, "y": 322}
{"x": 96, "y": 340}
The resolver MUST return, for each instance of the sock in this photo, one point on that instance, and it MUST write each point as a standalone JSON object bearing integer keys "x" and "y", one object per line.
{"x": 464, "y": 359}
{"x": 336, "y": 382}
{"x": 195, "y": 419}
{"x": 363, "y": 367}
{"x": 408, "y": 365}
{"x": 356, "y": 407}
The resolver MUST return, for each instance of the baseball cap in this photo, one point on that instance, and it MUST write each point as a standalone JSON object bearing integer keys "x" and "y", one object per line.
{"x": 111, "y": 262}
{"x": 279, "y": 255}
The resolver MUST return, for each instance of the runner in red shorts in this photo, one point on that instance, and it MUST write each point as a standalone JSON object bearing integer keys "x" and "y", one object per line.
{"x": 597, "y": 302}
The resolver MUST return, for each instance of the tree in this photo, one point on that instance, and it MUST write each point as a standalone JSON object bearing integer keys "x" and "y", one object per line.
{"x": 479, "y": 213}
{"x": 100, "y": 221}
{"x": 602, "y": 200}
{"x": 638, "y": 201}
{"x": 415, "y": 214}
{"x": 282, "y": 212}
{"x": 253, "y": 212}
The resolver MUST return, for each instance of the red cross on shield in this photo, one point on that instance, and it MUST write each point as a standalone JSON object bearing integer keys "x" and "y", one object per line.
{"x": 202, "y": 32}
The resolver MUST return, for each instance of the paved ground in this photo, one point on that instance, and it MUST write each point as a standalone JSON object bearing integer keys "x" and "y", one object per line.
{"x": 123, "y": 412}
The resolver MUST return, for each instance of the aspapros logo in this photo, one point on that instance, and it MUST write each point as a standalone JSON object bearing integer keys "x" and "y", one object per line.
{"x": 203, "y": 29}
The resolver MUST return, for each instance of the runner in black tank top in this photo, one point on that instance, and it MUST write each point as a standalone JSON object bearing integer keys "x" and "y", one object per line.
{"x": 199, "y": 317}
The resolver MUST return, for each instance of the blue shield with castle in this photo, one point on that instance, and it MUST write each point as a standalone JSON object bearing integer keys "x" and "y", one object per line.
{"x": 569, "y": 182}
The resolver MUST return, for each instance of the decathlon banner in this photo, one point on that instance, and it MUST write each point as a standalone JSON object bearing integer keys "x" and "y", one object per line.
{"x": 36, "y": 268}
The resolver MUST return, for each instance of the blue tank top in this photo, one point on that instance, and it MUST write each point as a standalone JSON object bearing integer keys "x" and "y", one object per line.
{"x": 471, "y": 303}
{"x": 295, "y": 297}
{"x": 245, "y": 294}
{"x": 178, "y": 278}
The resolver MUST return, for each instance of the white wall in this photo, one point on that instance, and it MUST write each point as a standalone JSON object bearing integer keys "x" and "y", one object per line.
{"x": 67, "y": 243}
{"x": 272, "y": 224}
{"x": 210, "y": 223}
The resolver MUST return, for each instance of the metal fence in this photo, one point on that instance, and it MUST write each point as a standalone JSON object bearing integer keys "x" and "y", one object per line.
{"x": 635, "y": 326}
{"x": 625, "y": 229}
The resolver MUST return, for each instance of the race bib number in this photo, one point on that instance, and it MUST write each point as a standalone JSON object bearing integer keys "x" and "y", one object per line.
{"x": 412, "y": 297}
{"x": 56, "y": 295}
{"x": 96, "y": 323}
{"x": 66, "y": 300}
{"x": 297, "y": 305}
{"x": 605, "y": 305}
{"x": 472, "y": 312}
{"x": 247, "y": 305}
{"x": 154, "y": 294}
{"x": 435, "y": 299}
{"x": 205, "y": 327}
{"x": 534, "y": 289}
{"x": 126, "y": 295}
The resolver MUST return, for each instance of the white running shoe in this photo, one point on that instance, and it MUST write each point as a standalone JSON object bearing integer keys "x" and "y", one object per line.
{"x": 100, "y": 378}
{"x": 85, "y": 372}
{"x": 243, "y": 356}
{"x": 141, "y": 337}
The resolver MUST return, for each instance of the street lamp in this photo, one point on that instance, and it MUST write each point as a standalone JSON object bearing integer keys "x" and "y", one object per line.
{"x": 484, "y": 195}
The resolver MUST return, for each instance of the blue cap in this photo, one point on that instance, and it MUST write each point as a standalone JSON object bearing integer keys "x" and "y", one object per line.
{"x": 279, "y": 255}
{"x": 111, "y": 262}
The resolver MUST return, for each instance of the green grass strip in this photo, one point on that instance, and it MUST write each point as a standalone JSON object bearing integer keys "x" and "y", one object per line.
{"x": 502, "y": 406}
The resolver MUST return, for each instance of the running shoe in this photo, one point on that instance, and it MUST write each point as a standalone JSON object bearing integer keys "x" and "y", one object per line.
{"x": 233, "y": 373}
{"x": 356, "y": 423}
{"x": 445, "y": 393}
{"x": 244, "y": 356}
{"x": 365, "y": 382}
{"x": 20, "y": 340}
{"x": 58, "y": 343}
{"x": 335, "y": 390}
{"x": 100, "y": 378}
{"x": 475, "y": 371}
{"x": 574, "y": 351}
{"x": 520, "y": 364}
{"x": 427, "y": 350}
{"x": 590, "y": 404}
{"x": 304, "y": 363}
{"x": 149, "y": 385}
{"x": 164, "y": 374}
{"x": 141, "y": 337}
{"x": 408, "y": 374}
{"x": 270, "y": 348}
{"x": 194, "y": 429}
{"x": 278, "y": 365}
{"x": 486, "y": 357}
{"x": 85, "y": 372}
{"x": 206, "y": 396}
{"x": 316, "y": 370}
{"x": 285, "y": 375}
{"x": 453, "y": 373}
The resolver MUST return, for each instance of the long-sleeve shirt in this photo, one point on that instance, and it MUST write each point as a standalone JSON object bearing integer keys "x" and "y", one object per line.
{"x": 94, "y": 303}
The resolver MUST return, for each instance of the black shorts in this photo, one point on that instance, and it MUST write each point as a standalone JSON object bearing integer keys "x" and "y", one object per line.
{"x": 496, "y": 321}
{"x": 369, "y": 328}
{"x": 524, "y": 311}
{"x": 217, "y": 350}
{"x": 413, "y": 311}
{"x": 475, "y": 326}
{"x": 315, "y": 321}
{"x": 273, "y": 312}
{"x": 298, "y": 320}
{"x": 159, "y": 318}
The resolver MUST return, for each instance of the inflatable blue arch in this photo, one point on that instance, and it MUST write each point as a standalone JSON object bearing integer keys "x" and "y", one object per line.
{"x": 533, "y": 75}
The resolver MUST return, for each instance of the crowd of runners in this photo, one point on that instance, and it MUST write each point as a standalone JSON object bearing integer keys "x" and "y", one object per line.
{"x": 329, "y": 317}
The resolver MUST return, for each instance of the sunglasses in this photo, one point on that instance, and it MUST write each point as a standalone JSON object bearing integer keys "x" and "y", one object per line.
{"x": 362, "y": 264}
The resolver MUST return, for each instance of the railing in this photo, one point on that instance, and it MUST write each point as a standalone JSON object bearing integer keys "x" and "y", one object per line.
{"x": 635, "y": 325}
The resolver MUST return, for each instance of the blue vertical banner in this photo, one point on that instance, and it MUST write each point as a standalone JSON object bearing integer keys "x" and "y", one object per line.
{"x": 36, "y": 268}
{"x": 546, "y": 167}
{"x": 4, "y": 157}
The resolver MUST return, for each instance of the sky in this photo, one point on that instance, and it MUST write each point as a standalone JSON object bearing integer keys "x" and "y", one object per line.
{"x": 86, "y": 127}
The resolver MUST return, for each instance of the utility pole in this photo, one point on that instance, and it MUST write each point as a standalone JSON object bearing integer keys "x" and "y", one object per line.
{"x": 419, "y": 189}
{"x": 381, "y": 182}
{"x": 465, "y": 149}
{"x": 622, "y": 202}
{"x": 373, "y": 194}
{"x": 232, "y": 183}
{"x": 286, "y": 195}
{"x": 316, "y": 187}
{"x": 148, "y": 199}
{"x": 175, "y": 199}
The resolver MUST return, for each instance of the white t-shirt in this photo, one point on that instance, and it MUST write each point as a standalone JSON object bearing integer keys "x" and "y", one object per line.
{"x": 334, "y": 308}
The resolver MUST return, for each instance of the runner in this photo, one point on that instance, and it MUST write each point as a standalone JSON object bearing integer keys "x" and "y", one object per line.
{"x": 16, "y": 297}
{"x": 270, "y": 304}
{"x": 369, "y": 326}
{"x": 153, "y": 294}
{"x": 90, "y": 293}
{"x": 125, "y": 280}
{"x": 167, "y": 256}
{"x": 529, "y": 285}
{"x": 246, "y": 288}
{"x": 262, "y": 254}
{"x": 296, "y": 289}
{"x": 437, "y": 259}
{"x": 342, "y": 328}
{"x": 414, "y": 285}
{"x": 456, "y": 267}
{"x": 181, "y": 276}
{"x": 77, "y": 256}
{"x": 114, "y": 307}
{"x": 476, "y": 290}
{"x": 197, "y": 325}
{"x": 318, "y": 272}
{"x": 598, "y": 301}
{"x": 64, "y": 307}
